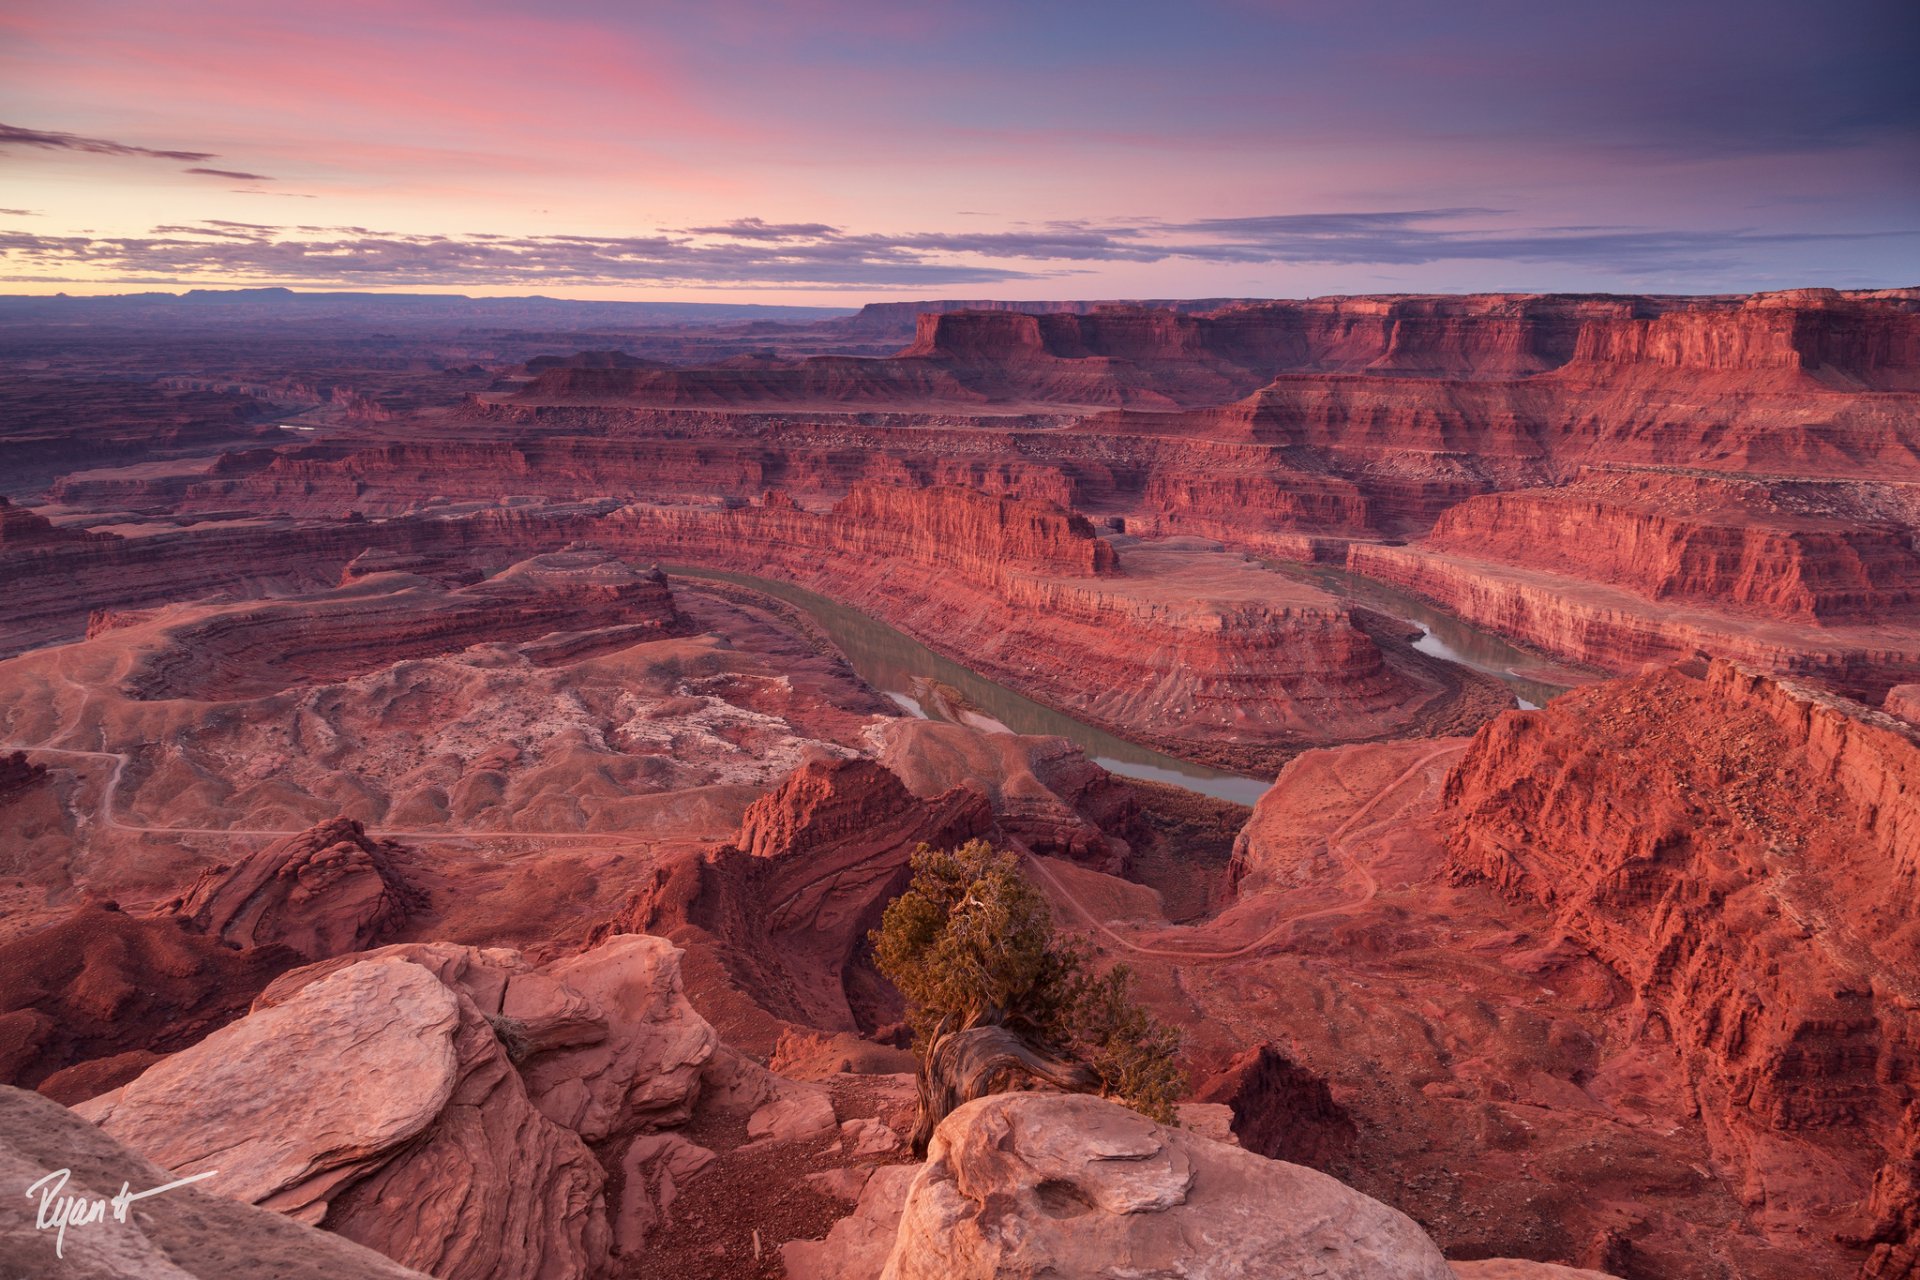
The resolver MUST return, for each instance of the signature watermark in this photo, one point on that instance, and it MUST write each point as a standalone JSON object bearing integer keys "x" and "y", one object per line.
{"x": 58, "y": 1212}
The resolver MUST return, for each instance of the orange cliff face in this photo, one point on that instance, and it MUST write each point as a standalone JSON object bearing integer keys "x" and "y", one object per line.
{"x": 1799, "y": 551}
{"x": 1742, "y": 853}
{"x": 1817, "y": 337}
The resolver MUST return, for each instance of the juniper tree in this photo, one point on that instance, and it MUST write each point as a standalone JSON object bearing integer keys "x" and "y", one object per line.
{"x": 994, "y": 995}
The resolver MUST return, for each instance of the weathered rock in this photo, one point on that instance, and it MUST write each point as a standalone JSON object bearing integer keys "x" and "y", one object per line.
{"x": 845, "y": 1183}
{"x": 859, "y": 1244}
{"x": 1031, "y": 1184}
{"x": 190, "y": 1233}
{"x": 1044, "y": 791}
{"x": 786, "y": 908}
{"x": 356, "y": 1105}
{"x": 327, "y": 891}
{"x": 655, "y": 1166}
{"x": 1740, "y": 851}
{"x": 1740, "y": 545}
{"x": 647, "y": 1069}
{"x": 604, "y": 1039}
{"x": 868, "y": 1137}
{"x": 803, "y": 1055}
{"x": 796, "y": 1113}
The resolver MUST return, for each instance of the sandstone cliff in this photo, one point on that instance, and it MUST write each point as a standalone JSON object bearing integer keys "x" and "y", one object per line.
{"x": 784, "y": 909}
{"x": 1742, "y": 852}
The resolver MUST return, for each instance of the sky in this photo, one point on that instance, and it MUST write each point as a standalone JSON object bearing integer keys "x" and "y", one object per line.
{"x": 832, "y": 152}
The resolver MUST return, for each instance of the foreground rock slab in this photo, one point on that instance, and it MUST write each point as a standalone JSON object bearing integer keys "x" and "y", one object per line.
{"x": 191, "y": 1233}
{"x": 380, "y": 1103}
{"x": 1045, "y": 1184}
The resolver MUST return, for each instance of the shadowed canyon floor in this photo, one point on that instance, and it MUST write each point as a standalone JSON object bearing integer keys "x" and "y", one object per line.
{"x": 542, "y": 724}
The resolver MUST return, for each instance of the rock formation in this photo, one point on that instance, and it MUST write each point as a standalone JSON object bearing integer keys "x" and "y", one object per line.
{"x": 354, "y": 1105}
{"x": 1280, "y": 1109}
{"x": 1044, "y": 792}
{"x": 785, "y": 908}
{"x": 604, "y": 1041}
{"x": 97, "y": 983}
{"x": 1097, "y": 1189}
{"x": 1758, "y": 911}
{"x": 188, "y": 1232}
{"x": 1631, "y": 990}
{"x": 327, "y": 891}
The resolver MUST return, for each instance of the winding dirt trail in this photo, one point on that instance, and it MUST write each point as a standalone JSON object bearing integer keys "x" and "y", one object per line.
{"x": 1337, "y": 843}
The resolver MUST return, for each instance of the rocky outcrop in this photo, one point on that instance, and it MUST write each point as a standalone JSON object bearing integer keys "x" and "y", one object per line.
{"x": 785, "y": 909}
{"x": 605, "y": 1041}
{"x": 22, "y": 529}
{"x": 1204, "y": 649}
{"x": 55, "y": 589}
{"x": 1618, "y": 630}
{"x": 327, "y": 891}
{"x": 376, "y": 620}
{"x": 645, "y": 1072}
{"x": 356, "y": 1105}
{"x": 1097, "y": 1190}
{"x": 1816, "y": 335}
{"x": 189, "y": 1233}
{"x": 1741, "y": 851}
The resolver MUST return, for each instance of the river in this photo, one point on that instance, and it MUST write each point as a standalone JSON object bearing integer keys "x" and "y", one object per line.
{"x": 900, "y": 667}
{"x": 1446, "y": 636}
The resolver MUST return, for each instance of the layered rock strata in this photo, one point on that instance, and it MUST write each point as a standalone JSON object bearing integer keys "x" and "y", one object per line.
{"x": 355, "y": 1105}
{"x": 327, "y": 891}
{"x": 785, "y": 908}
{"x": 1741, "y": 852}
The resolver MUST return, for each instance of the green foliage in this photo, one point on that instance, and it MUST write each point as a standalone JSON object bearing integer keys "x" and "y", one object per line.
{"x": 971, "y": 944}
{"x": 1136, "y": 1058}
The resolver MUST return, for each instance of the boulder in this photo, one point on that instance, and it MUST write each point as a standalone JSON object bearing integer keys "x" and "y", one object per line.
{"x": 795, "y": 1113}
{"x": 378, "y": 1102}
{"x": 1024, "y": 1184}
{"x": 604, "y": 1040}
{"x": 868, "y": 1137}
{"x": 647, "y": 1068}
{"x": 324, "y": 892}
{"x": 189, "y": 1233}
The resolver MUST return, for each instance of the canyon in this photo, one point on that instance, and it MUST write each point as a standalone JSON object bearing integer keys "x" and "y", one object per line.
{"x": 502, "y": 738}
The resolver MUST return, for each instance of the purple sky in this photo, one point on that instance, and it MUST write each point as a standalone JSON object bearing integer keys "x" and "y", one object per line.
{"x": 834, "y": 152}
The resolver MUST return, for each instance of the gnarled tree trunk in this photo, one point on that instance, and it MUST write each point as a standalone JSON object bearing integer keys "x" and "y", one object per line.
{"x": 962, "y": 1066}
